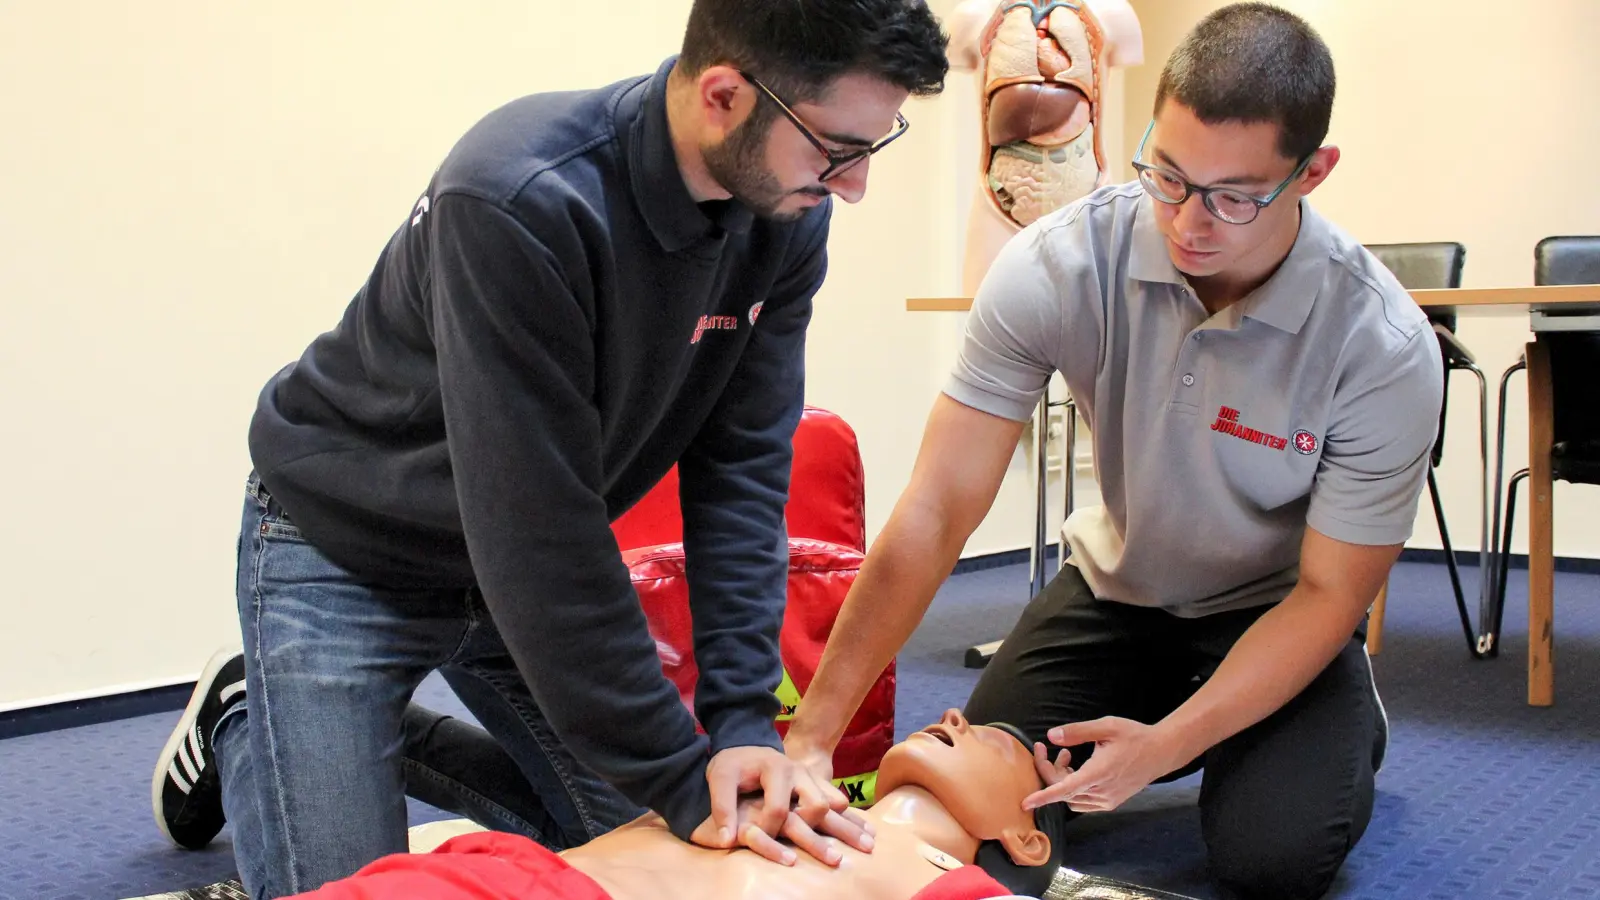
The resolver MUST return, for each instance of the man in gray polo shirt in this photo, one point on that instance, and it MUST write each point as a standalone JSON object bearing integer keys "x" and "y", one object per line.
{"x": 1263, "y": 397}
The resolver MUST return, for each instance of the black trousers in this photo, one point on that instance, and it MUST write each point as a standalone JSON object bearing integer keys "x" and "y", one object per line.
{"x": 1281, "y": 803}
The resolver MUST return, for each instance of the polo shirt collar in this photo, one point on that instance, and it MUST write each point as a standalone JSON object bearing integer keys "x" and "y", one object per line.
{"x": 1147, "y": 252}
{"x": 670, "y": 211}
{"x": 1284, "y": 301}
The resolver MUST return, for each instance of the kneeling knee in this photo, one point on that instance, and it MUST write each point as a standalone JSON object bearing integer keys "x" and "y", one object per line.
{"x": 1275, "y": 871}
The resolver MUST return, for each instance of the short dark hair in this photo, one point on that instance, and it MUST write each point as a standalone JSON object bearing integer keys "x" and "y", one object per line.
{"x": 1255, "y": 62}
{"x": 798, "y": 48}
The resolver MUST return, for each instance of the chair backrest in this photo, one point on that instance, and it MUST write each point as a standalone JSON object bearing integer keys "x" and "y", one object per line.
{"x": 1424, "y": 265}
{"x": 1567, "y": 259}
{"x": 1574, "y": 356}
{"x": 827, "y": 492}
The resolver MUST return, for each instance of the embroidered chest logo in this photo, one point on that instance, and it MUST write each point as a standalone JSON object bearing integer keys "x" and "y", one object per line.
{"x": 756, "y": 311}
{"x": 714, "y": 323}
{"x": 1305, "y": 443}
{"x": 1228, "y": 423}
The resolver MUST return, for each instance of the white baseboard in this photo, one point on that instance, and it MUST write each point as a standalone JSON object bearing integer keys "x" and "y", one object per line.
{"x": 94, "y": 693}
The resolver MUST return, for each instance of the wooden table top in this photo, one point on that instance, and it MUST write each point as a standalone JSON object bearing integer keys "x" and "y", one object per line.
{"x": 1565, "y": 298}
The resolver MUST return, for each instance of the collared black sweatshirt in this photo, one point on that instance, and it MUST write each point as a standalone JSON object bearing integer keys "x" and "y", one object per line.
{"x": 554, "y": 325}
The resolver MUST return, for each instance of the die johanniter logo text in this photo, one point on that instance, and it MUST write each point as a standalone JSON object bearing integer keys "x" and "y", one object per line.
{"x": 1228, "y": 423}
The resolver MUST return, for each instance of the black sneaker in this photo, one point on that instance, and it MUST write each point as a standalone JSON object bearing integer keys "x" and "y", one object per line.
{"x": 186, "y": 790}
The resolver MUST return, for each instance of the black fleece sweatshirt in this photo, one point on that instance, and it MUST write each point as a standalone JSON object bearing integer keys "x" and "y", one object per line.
{"x": 555, "y": 323}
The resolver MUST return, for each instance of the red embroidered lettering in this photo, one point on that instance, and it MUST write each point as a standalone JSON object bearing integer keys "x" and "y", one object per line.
{"x": 713, "y": 323}
{"x": 1228, "y": 423}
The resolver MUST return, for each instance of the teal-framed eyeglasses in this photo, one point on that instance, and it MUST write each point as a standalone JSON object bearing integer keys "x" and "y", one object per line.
{"x": 1231, "y": 205}
{"x": 838, "y": 163}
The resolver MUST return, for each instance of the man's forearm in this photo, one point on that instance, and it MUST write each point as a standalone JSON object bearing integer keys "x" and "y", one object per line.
{"x": 1272, "y": 662}
{"x": 910, "y": 560}
{"x": 959, "y": 470}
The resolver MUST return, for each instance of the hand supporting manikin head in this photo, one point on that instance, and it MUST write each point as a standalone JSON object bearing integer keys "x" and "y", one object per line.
{"x": 977, "y": 777}
{"x": 1042, "y": 67}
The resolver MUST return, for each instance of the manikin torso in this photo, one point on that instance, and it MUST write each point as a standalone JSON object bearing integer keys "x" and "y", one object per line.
{"x": 916, "y": 841}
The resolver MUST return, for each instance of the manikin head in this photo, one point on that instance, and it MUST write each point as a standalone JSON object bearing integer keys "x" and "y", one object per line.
{"x": 979, "y": 775}
{"x": 1242, "y": 106}
{"x": 785, "y": 102}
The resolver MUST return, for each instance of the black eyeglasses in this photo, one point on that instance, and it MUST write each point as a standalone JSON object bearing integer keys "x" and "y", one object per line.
{"x": 1228, "y": 204}
{"x": 838, "y": 163}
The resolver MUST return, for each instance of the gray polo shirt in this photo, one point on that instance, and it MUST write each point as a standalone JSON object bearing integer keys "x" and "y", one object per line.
{"x": 1217, "y": 439}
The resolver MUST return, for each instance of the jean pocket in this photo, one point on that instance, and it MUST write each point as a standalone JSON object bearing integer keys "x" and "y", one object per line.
{"x": 275, "y": 523}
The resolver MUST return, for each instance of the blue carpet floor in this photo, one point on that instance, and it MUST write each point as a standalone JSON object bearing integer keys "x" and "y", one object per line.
{"x": 1481, "y": 795}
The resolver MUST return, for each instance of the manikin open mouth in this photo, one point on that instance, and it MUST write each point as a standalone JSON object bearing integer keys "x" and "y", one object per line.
{"x": 941, "y": 734}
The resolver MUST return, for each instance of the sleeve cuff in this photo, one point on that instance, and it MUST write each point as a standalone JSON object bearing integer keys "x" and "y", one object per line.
{"x": 738, "y": 729}
{"x": 963, "y": 392}
{"x": 1362, "y": 533}
{"x": 689, "y": 804}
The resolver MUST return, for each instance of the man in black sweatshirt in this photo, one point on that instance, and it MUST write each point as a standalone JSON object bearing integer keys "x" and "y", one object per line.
{"x": 593, "y": 287}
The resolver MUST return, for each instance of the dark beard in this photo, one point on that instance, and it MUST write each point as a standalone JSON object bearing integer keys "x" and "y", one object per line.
{"x": 737, "y": 165}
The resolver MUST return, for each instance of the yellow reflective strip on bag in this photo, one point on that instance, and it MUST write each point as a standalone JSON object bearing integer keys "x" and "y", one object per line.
{"x": 861, "y": 790}
{"x": 788, "y": 696}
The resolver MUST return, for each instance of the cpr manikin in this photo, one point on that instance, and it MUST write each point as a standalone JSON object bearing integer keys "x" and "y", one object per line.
{"x": 948, "y": 795}
{"x": 1041, "y": 66}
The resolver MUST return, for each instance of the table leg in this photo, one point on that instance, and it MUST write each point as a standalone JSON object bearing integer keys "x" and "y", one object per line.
{"x": 1375, "y": 621}
{"x": 1541, "y": 552}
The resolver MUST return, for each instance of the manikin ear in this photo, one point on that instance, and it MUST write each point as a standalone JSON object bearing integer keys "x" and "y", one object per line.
{"x": 1026, "y": 846}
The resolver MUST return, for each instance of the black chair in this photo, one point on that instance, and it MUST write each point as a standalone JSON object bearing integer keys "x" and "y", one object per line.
{"x": 1427, "y": 265}
{"x": 1574, "y": 369}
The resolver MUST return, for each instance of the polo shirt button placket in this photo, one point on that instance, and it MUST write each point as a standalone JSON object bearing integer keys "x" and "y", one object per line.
{"x": 1184, "y": 394}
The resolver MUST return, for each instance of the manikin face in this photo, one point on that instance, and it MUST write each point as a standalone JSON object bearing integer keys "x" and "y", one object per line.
{"x": 775, "y": 170}
{"x": 1241, "y": 157}
{"x": 979, "y": 774}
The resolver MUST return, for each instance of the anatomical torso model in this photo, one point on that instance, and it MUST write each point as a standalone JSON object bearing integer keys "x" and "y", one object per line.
{"x": 1041, "y": 68}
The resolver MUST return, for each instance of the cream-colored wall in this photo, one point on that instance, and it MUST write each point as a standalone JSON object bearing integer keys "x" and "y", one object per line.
{"x": 1458, "y": 120}
{"x": 195, "y": 190}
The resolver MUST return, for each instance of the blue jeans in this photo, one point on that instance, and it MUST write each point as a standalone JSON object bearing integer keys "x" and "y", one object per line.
{"x": 318, "y": 758}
